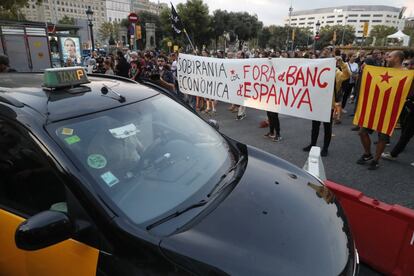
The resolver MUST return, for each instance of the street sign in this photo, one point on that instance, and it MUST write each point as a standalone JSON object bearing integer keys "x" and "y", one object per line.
{"x": 365, "y": 29}
{"x": 133, "y": 17}
{"x": 317, "y": 37}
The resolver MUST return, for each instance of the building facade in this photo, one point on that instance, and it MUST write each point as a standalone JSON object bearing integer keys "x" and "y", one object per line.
{"x": 116, "y": 10}
{"x": 355, "y": 15}
{"x": 54, "y": 10}
{"x": 146, "y": 5}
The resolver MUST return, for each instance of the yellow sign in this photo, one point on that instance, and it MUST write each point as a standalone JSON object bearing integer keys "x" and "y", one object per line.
{"x": 169, "y": 43}
{"x": 175, "y": 49}
{"x": 381, "y": 97}
{"x": 293, "y": 35}
{"x": 138, "y": 32}
{"x": 334, "y": 36}
{"x": 365, "y": 29}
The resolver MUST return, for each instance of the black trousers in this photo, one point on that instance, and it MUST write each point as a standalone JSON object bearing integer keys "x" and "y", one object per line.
{"x": 347, "y": 89}
{"x": 327, "y": 129}
{"x": 274, "y": 124}
{"x": 407, "y": 132}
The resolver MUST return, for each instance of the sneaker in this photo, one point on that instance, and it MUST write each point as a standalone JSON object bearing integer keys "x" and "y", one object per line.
{"x": 388, "y": 156}
{"x": 241, "y": 117}
{"x": 324, "y": 152}
{"x": 277, "y": 138}
{"x": 373, "y": 165}
{"x": 307, "y": 148}
{"x": 268, "y": 135}
{"x": 364, "y": 158}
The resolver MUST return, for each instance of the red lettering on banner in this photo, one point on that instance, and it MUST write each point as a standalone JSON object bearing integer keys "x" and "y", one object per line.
{"x": 272, "y": 93}
{"x": 322, "y": 85}
{"x": 290, "y": 75}
{"x": 245, "y": 70}
{"x": 247, "y": 89}
{"x": 307, "y": 101}
{"x": 239, "y": 91}
{"x": 295, "y": 96}
{"x": 299, "y": 77}
{"x": 256, "y": 72}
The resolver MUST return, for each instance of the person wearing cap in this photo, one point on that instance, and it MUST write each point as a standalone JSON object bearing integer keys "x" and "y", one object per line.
{"x": 5, "y": 65}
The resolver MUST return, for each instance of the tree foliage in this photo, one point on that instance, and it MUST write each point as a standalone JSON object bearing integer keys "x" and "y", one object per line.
{"x": 10, "y": 9}
{"x": 197, "y": 21}
{"x": 379, "y": 34}
{"x": 327, "y": 34}
{"x": 67, "y": 20}
{"x": 149, "y": 17}
{"x": 108, "y": 30}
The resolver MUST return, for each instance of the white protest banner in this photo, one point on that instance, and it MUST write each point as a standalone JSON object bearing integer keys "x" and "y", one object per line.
{"x": 292, "y": 86}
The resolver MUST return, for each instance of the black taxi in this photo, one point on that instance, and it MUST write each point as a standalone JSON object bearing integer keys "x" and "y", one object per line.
{"x": 104, "y": 176}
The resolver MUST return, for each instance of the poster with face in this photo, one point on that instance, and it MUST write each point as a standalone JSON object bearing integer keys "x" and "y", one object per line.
{"x": 70, "y": 50}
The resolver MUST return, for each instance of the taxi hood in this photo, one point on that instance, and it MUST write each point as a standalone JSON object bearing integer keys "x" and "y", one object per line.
{"x": 278, "y": 220}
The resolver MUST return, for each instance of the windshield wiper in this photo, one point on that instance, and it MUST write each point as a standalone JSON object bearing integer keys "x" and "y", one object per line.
{"x": 177, "y": 213}
{"x": 218, "y": 184}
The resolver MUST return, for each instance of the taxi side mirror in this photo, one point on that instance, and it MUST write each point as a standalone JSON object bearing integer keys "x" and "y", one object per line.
{"x": 43, "y": 229}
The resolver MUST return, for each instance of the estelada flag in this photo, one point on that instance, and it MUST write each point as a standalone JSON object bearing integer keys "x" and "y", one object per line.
{"x": 381, "y": 97}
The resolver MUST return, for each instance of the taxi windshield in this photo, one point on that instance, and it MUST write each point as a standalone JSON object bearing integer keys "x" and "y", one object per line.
{"x": 148, "y": 158}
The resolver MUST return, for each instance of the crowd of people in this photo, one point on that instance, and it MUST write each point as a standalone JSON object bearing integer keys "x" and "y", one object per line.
{"x": 161, "y": 68}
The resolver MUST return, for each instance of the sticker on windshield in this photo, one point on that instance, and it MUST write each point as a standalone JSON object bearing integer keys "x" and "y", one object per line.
{"x": 110, "y": 179}
{"x": 124, "y": 131}
{"x": 96, "y": 161}
{"x": 67, "y": 131}
{"x": 72, "y": 139}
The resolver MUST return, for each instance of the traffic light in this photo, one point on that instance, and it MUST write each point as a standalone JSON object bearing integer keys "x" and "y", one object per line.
{"x": 138, "y": 32}
{"x": 365, "y": 29}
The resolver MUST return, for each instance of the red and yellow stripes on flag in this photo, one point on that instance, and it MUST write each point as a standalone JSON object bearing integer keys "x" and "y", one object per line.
{"x": 381, "y": 97}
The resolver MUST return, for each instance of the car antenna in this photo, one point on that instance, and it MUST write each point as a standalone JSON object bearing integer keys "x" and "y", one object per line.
{"x": 105, "y": 89}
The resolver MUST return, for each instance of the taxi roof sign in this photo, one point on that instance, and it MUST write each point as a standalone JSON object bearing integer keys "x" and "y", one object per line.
{"x": 64, "y": 77}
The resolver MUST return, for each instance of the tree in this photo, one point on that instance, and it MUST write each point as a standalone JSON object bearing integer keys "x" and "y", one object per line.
{"x": 380, "y": 32}
{"x": 244, "y": 26}
{"x": 264, "y": 36}
{"x": 410, "y": 32}
{"x": 10, "y": 9}
{"x": 197, "y": 21}
{"x": 278, "y": 35}
{"x": 108, "y": 30}
{"x": 67, "y": 20}
{"x": 219, "y": 22}
{"x": 327, "y": 34}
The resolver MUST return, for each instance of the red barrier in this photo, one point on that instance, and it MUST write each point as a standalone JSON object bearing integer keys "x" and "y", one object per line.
{"x": 384, "y": 234}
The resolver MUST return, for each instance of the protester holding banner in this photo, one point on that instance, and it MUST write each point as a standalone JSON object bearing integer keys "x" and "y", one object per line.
{"x": 407, "y": 130}
{"x": 382, "y": 96}
{"x": 241, "y": 111}
{"x": 341, "y": 75}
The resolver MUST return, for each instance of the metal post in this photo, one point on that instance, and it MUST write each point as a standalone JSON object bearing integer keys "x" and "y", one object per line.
{"x": 289, "y": 27}
{"x": 343, "y": 31}
{"x": 92, "y": 40}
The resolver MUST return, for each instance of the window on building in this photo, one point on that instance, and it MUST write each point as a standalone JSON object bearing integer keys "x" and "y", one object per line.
{"x": 365, "y": 15}
{"x": 331, "y": 16}
{"x": 352, "y": 21}
{"x": 364, "y": 20}
{"x": 293, "y": 19}
{"x": 376, "y": 21}
{"x": 395, "y": 16}
{"x": 353, "y": 15}
{"x": 378, "y": 15}
{"x": 311, "y": 18}
{"x": 302, "y": 23}
{"x": 302, "y": 18}
{"x": 310, "y": 23}
{"x": 389, "y": 15}
{"x": 338, "y": 21}
{"x": 341, "y": 15}
{"x": 360, "y": 32}
{"x": 329, "y": 22}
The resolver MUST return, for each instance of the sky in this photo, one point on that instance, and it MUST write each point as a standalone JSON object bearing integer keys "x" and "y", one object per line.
{"x": 273, "y": 12}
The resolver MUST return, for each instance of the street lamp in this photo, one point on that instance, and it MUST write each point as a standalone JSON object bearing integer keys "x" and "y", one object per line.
{"x": 317, "y": 26}
{"x": 89, "y": 14}
{"x": 343, "y": 31}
